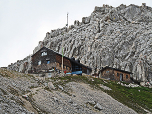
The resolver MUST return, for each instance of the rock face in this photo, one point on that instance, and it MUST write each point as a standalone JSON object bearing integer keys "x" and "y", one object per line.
{"x": 21, "y": 65}
{"x": 119, "y": 37}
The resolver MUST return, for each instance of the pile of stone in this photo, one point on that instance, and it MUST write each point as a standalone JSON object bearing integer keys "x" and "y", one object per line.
{"x": 105, "y": 87}
{"x": 129, "y": 85}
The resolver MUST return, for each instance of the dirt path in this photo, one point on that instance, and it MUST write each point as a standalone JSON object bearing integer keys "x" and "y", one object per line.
{"x": 28, "y": 105}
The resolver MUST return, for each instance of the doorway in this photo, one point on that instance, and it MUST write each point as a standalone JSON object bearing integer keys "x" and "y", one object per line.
{"x": 121, "y": 77}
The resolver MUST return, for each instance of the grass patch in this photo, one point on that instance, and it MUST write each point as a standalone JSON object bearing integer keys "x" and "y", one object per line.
{"x": 85, "y": 79}
{"x": 135, "y": 98}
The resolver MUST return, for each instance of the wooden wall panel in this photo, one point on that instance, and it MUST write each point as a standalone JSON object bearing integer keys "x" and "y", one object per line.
{"x": 108, "y": 73}
{"x": 66, "y": 62}
{"x": 124, "y": 76}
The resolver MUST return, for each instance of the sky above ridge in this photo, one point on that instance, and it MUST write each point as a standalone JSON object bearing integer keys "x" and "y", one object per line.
{"x": 23, "y": 23}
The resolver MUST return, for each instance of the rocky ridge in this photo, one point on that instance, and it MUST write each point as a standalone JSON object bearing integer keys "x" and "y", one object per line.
{"x": 120, "y": 37}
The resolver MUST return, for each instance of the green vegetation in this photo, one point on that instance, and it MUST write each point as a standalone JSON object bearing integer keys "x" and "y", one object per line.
{"x": 138, "y": 98}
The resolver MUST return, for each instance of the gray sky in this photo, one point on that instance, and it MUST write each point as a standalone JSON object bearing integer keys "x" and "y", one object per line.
{"x": 23, "y": 23}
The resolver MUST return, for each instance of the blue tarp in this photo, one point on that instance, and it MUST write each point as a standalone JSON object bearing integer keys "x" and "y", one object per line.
{"x": 77, "y": 72}
{"x": 68, "y": 73}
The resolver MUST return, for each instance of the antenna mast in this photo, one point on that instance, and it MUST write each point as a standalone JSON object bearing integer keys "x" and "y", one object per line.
{"x": 62, "y": 44}
{"x": 67, "y": 20}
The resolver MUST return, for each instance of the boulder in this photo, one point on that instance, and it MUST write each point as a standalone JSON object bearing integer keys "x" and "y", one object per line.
{"x": 51, "y": 86}
{"x": 91, "y": 102}
{"x": 98, "y": 106}
{"x": 142, "y": 83}
{"x": 55, "y": 99}
{"x": 60, "y": 87}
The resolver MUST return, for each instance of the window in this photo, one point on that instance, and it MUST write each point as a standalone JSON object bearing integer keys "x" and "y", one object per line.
{"x": 126, "y": 76}
{"x": 117, "y": 74}
{"x": 43, "y": 53}
{"x": 48, "y": 61}
{"x": 39, "y": 63}
{"x": 107, "y": 71}
{"x": 49, "y": 75}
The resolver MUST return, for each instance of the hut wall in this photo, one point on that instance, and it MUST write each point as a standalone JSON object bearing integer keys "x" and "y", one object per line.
{"x": 38, "y": 57}
{"x": 108, "y": 73}
{"x": 126, "y": 76}
{"x": 66, "y": 62}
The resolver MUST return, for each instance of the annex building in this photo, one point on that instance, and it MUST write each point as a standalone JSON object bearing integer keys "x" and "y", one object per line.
{"x": 115, "y": 74}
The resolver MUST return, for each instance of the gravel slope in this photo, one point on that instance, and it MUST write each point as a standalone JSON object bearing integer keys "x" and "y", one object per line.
{"x": 81, "y": 98}
{"x": 46, "y": 98}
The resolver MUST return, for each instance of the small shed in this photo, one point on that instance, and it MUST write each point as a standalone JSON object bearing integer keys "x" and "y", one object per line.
{"x": 115, "y": 74}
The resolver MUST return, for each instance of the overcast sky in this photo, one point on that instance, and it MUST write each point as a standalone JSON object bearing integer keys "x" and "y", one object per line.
{"x": 23, "y": 23}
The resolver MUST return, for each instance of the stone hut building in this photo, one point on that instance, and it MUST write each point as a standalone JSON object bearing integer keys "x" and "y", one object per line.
{"x": 45, "y": 60}
{"x": 115, "y": 74}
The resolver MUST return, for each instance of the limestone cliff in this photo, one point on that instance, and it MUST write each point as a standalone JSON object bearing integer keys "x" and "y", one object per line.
{"x": 119, "y": 37}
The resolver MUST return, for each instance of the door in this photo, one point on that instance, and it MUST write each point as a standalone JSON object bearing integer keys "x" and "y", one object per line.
{"x": 121, "y": 77}
{"x": 49, "y": 75}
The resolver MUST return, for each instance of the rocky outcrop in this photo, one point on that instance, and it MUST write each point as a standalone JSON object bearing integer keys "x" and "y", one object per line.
{"x": 119, "y": 37}
{"x": 21, "y": 65}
